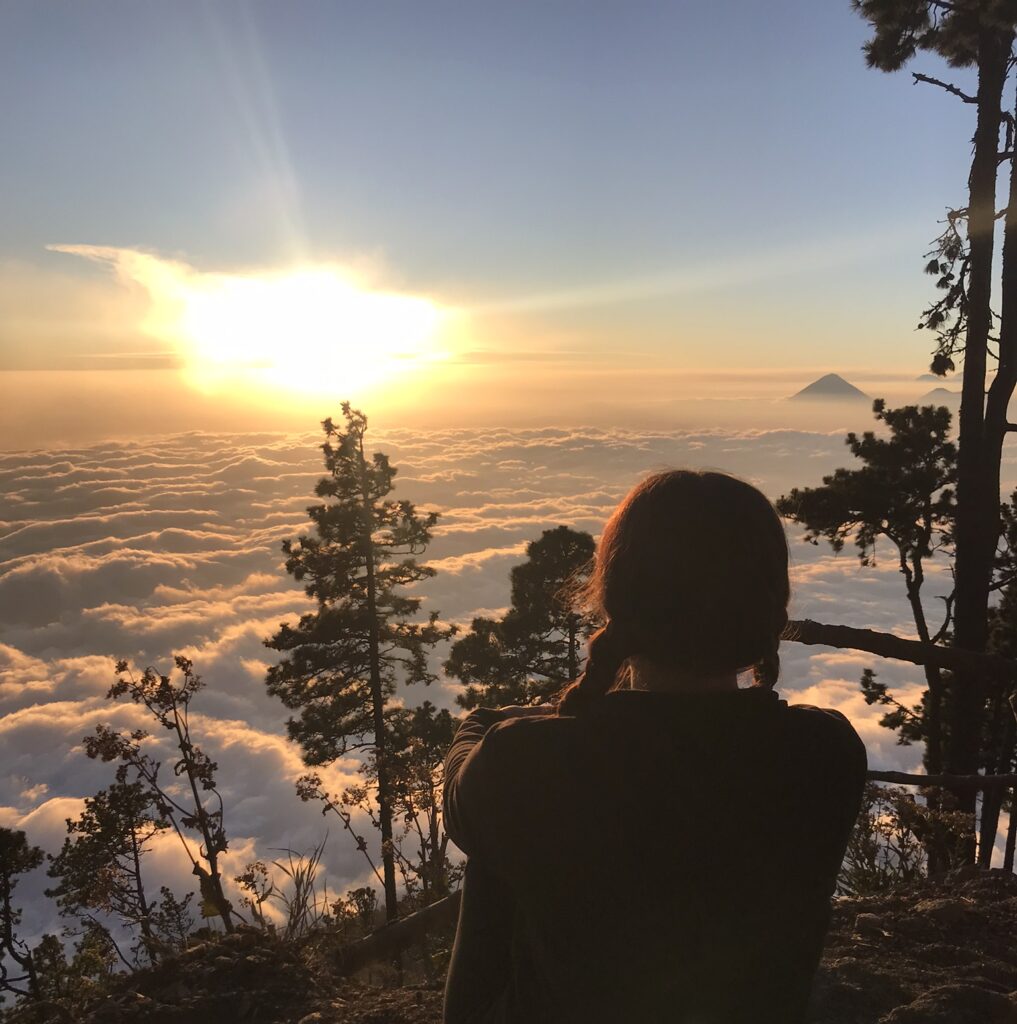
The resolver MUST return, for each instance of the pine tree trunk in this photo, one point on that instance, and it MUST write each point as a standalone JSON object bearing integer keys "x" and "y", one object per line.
{"x": 573, "y": 666}
{"x": 1000, "y": 392}
{"x": 1002, "y": 743}
{"x": 934, "y": 756}
{"x": 378, "y": 710}
{"x": 977, "y": 503}
{"x": 915, "y": 577}
{"x": 1011, "y": 833}
{"x": 933, "y": 760}
{"x": 439, "y": 883}
{"x": 139, "y": 889}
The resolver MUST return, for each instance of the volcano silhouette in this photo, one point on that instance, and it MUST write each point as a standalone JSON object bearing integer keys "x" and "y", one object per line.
{"x": 832, "y": 387}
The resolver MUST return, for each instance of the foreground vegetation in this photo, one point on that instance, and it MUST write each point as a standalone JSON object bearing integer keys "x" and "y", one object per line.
{"x": 933, "y": 951}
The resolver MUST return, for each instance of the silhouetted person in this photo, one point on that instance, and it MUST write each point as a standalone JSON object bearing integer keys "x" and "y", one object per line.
{"x": 662, "y": 845}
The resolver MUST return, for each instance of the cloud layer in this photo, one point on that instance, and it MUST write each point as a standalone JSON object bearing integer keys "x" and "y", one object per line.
{"x": 172, "y": 545}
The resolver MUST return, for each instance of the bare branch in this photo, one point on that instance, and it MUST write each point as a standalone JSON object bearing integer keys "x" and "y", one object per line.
{"x": 943, "y": 85}
{"x": 1003, "y": 581}
{"x": 398, "y": 935}
{"x": 886, "y": 645}
{"x": 947, "y": 618}
{"x": 953, "y": 782}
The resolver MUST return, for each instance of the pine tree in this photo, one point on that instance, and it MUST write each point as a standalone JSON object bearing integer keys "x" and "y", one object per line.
{"x": 976, "y": 34}
{"x": 536, "y": 648}
{"x": 342, "y": 662}
{"x": 98, "y": 870}
{"x": 68, "y": 985}
{"x": 903, "y": 495}
{"x": 17, "y": 858}
{"x": 420, "y": 738}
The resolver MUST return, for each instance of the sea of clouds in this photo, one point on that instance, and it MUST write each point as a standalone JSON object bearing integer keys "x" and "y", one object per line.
{"x": 143, "y": 550}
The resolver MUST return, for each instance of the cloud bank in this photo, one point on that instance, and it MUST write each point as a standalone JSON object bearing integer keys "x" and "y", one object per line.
{"x": 172, "y": 546}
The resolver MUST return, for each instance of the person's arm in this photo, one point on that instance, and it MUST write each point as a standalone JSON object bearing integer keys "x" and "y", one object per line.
{"x": 846, "y": 783}
{"x": 471, "y": 775}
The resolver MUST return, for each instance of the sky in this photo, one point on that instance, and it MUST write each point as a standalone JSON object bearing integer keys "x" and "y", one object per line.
{"x": 533, "y": 198}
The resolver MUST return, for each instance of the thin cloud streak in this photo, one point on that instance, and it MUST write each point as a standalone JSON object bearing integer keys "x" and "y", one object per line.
{"x": 784, "y": 261}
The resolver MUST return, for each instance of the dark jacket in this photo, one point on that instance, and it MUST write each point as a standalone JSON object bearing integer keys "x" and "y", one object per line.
{"x": 664, "y": 857}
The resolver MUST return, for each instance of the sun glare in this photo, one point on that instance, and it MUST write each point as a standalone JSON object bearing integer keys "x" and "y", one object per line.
{"x": 307, "y": 331}
{"x": 317, "y": 330}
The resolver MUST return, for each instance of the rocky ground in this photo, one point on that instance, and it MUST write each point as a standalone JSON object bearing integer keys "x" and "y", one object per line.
{"x": 942, "y": 952}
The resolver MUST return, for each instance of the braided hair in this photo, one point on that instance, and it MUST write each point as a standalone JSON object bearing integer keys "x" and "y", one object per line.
{"x": 691, "y": 573}
{"x": 606, "y": 655}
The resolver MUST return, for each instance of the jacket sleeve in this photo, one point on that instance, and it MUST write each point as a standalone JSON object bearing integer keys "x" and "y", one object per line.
{"x": 471, "y": 781}
{"x": 855, "y": 772}
{"x": 845, "y": 774}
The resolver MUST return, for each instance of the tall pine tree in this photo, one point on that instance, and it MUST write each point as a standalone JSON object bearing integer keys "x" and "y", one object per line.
{"x": 341, "y": 663}
{"x": 976, "y": 34}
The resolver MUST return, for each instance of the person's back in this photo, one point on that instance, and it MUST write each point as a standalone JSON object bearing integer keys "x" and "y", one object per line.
{"x": 663, "y": 854}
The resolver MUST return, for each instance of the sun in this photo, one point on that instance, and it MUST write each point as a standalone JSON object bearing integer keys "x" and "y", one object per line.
{"x": 321, "y": 329}
{"x": 306, "y": 331}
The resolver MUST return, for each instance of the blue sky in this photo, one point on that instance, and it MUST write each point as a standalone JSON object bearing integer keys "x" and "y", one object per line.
{"x": 706, "y": 185}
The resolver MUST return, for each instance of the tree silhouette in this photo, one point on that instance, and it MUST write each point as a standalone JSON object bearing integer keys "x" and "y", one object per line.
{"x": 903, "y": 494}
{"x": 199, "y": 808}
{"x": 16, "y": 858}
{"x": 999, "y": 735}
{"x": 342, "y": 662}
{"x": 99, "y": 867}
{"x": 535, "y": 649}
{"x": 67, "y": 985}
{"x": 978, "y": 34}
{"x": 420, "y": 738}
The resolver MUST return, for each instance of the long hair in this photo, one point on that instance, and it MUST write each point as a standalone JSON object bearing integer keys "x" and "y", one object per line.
{"x": 691, "y": 572}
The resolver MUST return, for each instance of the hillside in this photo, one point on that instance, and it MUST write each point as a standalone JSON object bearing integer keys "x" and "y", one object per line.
{"x": 940, "y": 952}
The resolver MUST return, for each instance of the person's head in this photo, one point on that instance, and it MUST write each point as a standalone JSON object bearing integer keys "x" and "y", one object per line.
{"x": 691, "y": 575}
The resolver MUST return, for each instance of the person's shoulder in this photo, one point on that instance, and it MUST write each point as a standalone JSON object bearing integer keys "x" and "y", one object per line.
{"x": 812, "y": 713}
{"x": 528, "y": 738}
{"x": 530, "y": 728}
{"x": 826, "y": 726}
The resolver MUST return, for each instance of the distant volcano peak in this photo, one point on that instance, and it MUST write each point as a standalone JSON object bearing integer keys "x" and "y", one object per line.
{"x": 832, "y": 386}
{"x": 941, "y": 395}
